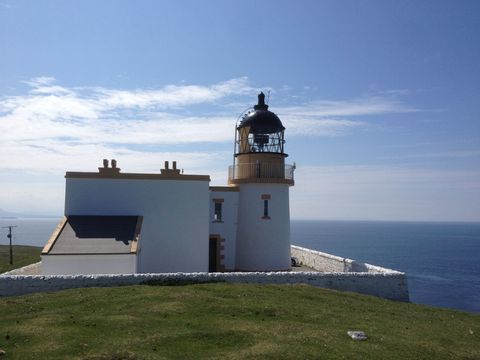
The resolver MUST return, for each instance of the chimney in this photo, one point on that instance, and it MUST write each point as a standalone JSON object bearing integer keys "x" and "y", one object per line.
{"x": 109, "y": 171}
{"x": 170, "y": 172}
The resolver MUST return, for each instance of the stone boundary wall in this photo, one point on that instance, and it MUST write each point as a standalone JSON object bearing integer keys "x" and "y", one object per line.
{"x": 335, "y": 273}
{"x": 330, "y": 263}
{"x": 389, "y": 286}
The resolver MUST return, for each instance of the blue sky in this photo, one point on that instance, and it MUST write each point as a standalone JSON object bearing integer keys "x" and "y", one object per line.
{"x": 379, "y": 98}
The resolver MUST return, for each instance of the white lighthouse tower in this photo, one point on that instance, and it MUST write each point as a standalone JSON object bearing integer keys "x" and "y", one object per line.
{"x": 260, "y": 172}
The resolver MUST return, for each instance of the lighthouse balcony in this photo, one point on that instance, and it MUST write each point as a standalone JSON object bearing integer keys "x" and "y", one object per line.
{"x": 261, "y": 172}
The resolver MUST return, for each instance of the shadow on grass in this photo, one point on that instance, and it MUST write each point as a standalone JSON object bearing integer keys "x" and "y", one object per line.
{"x": 179, "y": 282}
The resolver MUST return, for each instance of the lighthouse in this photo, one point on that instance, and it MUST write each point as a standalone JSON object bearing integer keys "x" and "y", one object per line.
{"x": 169, "y": 221}
{"x": 263, "y": 179}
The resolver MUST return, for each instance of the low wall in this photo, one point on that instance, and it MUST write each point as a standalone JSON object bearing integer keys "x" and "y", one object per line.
{"x": 383, "y": 285}
{"x": 330, "y": 263}
{"x": 351, "y": 275}
{"x": 375, "y": 280}
{"x": 32, "y": 269}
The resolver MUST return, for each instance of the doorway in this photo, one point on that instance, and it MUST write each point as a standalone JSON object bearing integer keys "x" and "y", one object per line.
{"x": 214, "y": 254}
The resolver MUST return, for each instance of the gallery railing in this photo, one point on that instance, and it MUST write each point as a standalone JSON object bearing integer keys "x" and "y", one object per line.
{"x": 261, "y": 171}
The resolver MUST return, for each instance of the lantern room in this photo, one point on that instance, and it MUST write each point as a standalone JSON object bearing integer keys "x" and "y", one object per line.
{"x": 260, "y": 148}
{"x": 260, "y": 130}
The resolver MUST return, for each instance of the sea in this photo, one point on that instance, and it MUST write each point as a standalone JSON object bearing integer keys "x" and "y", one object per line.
{"x": 441, "y": 260}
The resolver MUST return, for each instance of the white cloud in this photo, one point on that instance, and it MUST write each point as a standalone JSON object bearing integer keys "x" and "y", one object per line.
{"x": 298, "y": 125}
{"x": 372, "y": 105}
{"x": 172, "y": 95}
{"x": 53, "y": 128}
{"x": 333, "y": 118}
{"x": 92, "y": 115}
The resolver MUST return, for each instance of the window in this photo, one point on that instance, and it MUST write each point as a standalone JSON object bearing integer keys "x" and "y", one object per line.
{"x": 265, "y": 198}
{"x": 217, "y": 210}
{"x": 217, "y": 216}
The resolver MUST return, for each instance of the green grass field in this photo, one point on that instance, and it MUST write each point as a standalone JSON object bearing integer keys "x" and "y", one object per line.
{"x": 22, "y": 256}
{"x": 225, "y": 321}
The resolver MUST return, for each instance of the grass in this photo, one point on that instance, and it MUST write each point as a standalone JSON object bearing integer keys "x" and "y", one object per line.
{"x": 226, "y": 321}
{"x": 22, "y": 256}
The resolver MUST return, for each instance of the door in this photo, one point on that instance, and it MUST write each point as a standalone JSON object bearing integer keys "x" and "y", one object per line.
{"x": 212, "y": 255}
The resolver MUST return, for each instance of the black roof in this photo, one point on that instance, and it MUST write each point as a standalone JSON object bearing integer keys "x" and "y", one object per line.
{"x": 261, "y": 120}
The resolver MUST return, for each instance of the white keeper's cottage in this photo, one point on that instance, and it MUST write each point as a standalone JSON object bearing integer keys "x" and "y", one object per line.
{"x": 117, "y": 222}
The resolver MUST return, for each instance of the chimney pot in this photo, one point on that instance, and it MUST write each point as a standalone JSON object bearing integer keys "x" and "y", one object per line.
{"x": 114, "y": 164}
{"x": 166, "y": 165}
{"x": 174, "y": 165}
{"x": 105, "y": 163}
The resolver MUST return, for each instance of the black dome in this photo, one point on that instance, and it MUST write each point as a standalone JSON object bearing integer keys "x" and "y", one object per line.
{"x": 261, "y": 120}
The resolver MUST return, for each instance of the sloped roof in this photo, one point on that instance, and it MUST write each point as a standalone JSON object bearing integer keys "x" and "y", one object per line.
{"x": 85, "y": 234}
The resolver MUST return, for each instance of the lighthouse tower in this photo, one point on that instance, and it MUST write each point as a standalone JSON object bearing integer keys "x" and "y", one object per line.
{"x": 263, "y": 178}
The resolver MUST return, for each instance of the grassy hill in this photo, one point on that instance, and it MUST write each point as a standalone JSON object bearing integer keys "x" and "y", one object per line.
{"x": 225, "y": 321}
{"x": 22, "y": 256}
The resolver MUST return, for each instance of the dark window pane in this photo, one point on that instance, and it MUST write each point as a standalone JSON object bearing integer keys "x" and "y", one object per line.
{"x": 217, "y": 216}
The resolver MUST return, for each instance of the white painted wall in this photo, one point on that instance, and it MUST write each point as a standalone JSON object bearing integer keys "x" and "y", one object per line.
{"x": 175, "y": 229}
{"x": 227, "y": 229}
{"x": 88, "y": 264}
{"x": 263, "y": 245}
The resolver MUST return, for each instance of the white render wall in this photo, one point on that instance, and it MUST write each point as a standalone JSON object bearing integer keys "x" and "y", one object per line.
{"x": 88, "y": 264}
{"x": 227, "y": 229}
{"x": 175, "y": 229}
{"x": 263, "y": 244}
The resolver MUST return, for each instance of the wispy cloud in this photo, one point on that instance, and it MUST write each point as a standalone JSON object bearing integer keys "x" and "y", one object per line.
{"x": 171, "y": 96}
{"x": 311, "y": 126}
{"x": 52, "y": 128}
{"x": 371, "y": 105}
{"x": 55, "y": 124}
{"x": 92, "y": 115}
{"x": 338, "y": 117}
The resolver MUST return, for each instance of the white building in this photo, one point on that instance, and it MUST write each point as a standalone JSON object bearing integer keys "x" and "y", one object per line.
{"x": 119, "y": 222}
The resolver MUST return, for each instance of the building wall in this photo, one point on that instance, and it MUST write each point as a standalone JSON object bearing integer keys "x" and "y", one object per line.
{"x": 227, "y": 228}
{"x": 88, "y": 264}
{"x": 175, "y": 229}
{"x": 263, "y": 244}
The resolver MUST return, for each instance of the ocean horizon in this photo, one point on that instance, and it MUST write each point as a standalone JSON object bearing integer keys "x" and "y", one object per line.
{"x": 439, "y": 258}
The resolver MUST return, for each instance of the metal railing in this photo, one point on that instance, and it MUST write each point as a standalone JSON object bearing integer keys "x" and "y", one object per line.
{"x": 261, "y": 170}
